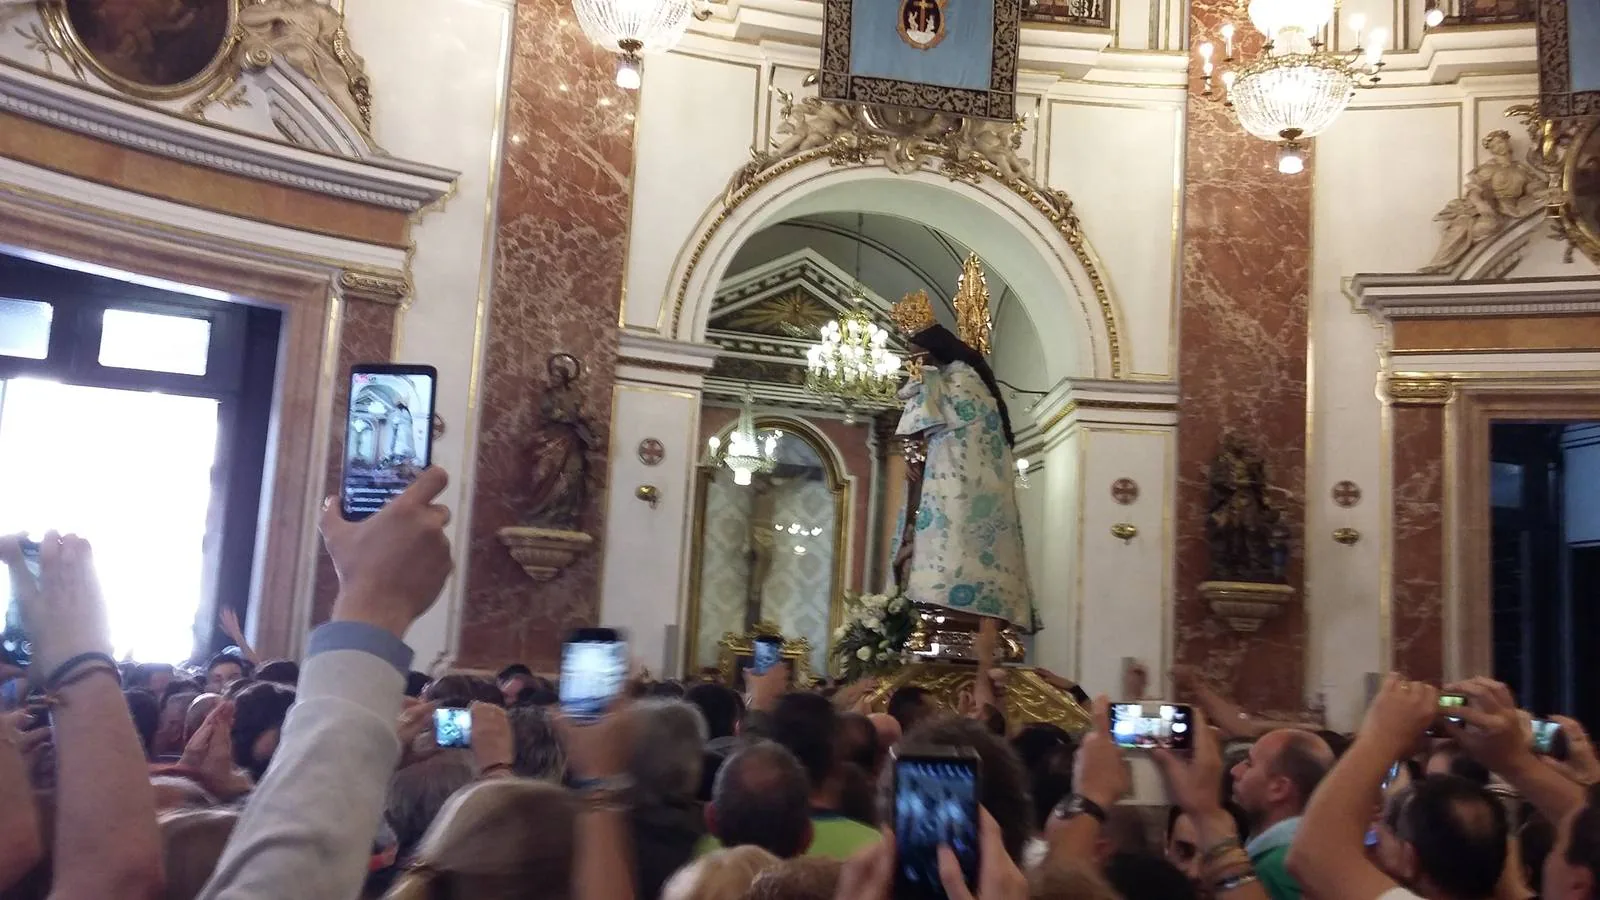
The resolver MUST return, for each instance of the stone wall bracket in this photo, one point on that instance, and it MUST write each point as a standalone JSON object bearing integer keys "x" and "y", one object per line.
{"x": 1246, "y": 605}
{"x": 544, "y": 553}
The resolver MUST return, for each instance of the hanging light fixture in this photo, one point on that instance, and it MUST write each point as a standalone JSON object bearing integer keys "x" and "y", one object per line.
{"x": 1295, "y": 89}
{"x": 747, "y": 453}
{"x": 853, "y": 365}
{"x": 632, "y": 28}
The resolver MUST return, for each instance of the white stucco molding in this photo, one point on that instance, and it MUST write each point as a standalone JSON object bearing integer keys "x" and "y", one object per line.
{"x": 1075, "y": 402}
{"x": 654, "y": 360}
{"x": 1410, "y": 296}
{"x": 376, "y": 180}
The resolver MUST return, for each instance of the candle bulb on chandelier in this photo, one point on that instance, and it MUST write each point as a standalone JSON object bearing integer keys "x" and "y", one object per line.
{"x": 1375, "y": 42}
{"x": 1358, "y": 24}
{"x": 1434, "y": 17}
{"x": 1227, "y": 41}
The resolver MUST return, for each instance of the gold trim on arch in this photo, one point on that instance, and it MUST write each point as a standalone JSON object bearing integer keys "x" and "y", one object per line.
{"x": 843, "y": 493}
{"x": 1064, "y": 225}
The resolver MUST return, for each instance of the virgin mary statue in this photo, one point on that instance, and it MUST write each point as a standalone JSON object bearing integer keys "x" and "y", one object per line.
{"x": 963, "y": 532}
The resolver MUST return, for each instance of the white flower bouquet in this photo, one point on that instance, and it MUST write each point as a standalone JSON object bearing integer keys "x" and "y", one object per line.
{"x": 873, "y": 638}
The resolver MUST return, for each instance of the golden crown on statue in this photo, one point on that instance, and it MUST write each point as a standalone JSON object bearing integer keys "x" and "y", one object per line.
{"x": 913, "y": 313}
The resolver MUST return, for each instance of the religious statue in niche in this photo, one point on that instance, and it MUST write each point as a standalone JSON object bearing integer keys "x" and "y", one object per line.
{"x": 1248, "y": 539}
{"x": 1498, "y": 193}
{"x": 560, "y": 474}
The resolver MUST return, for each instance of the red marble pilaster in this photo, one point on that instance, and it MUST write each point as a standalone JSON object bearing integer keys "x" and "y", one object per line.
{"x": 565, "y": 193}
{"x": 1417, "y": 617}
{"x": 1241, "y": 366}
{"x": 366, "y": 335}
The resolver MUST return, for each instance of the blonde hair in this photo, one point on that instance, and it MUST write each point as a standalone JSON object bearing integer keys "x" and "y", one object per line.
{"x": 722, "y": 875}
{"x": 507, "y": 838}
{"x": 191, "y": 843}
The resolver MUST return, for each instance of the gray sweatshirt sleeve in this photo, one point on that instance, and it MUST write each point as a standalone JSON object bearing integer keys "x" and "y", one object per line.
{"x": 307, "y": 831}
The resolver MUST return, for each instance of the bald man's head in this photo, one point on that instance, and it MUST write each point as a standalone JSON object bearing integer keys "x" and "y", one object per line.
{"x": 762, "y": 797}
{"x": 1301, "y": 757}
{"x": 198, "y": 710}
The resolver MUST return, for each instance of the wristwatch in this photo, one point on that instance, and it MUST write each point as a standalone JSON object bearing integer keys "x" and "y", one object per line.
{"x": 1079, "y": 805}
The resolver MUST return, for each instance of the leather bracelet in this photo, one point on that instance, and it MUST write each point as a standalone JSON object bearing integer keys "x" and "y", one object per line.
{"x": 62, "y": 671}
{"x": 54, "y": 700}
{"x": 613, "y": 783}
{"x": 1222, "y": 887}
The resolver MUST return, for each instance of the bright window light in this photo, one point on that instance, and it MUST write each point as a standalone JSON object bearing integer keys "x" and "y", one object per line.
{"x": 131, "y": 472}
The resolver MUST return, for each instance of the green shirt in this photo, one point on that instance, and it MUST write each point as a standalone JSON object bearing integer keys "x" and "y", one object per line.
{"x": 832, "y": 836}
{"x": 1269, "y": 853}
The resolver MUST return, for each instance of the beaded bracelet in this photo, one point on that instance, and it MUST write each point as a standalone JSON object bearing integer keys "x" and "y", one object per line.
{"x": 1239, "y": 881}
{"x": 1220, "y": 848}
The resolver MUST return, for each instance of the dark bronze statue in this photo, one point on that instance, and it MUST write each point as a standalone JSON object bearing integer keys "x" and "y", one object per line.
{"x": 560, "y": 482}
{"x": 1245, "y": 530}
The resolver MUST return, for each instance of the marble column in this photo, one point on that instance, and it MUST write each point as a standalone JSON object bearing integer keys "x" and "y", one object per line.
{"x": 1416, "y": 620}
{"x": 1241, "y": 364}
{"x": 565, "y": 193}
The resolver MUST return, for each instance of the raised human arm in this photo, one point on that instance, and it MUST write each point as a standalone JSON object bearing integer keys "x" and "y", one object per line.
{"x": 1195, "y": 786}
{"x": 597, "y": 756}
{"x": 228, "y": 620}
{"x": 1492, "y": 732}
{"x": 21, "y": 845}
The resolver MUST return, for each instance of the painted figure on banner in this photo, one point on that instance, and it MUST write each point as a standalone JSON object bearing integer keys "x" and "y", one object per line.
{"x": 154, "y": 43}
{"x": 963, "y": 527}
{"x": 922, "y": 23}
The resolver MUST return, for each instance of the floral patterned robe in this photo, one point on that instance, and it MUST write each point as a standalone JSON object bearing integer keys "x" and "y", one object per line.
{"x": 967, "y": 553}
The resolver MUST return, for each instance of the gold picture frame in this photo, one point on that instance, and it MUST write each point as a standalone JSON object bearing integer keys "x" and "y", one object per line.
{"x": 736, "y": 647}
{"x": 57, "y": 19}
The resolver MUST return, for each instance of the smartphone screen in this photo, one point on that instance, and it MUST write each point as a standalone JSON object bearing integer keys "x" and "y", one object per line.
{"x": 935, "y": 802}
{"x": 452, "y": 728}
{"x": 1151, "y": 726}
{"x": 768, "y": 652}
{"x": 388, "y": 434}
{"x": 15, "y": 646}
{"x": 1547, "y": 737}
{"x": 594, "y": 668}
{"x": 1452, "y": 701}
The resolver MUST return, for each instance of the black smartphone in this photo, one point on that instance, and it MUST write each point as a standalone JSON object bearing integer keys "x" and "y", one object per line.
{"x": 388, "y": 437}
{"x": 594, "y": 670}
{"x": 452, "y": 728}
{"x": 936, "y": 791}
{"x": 767, "y": 652}
{"x": 15, "y": 646}
{"x": 1549, "y": 740}
{"x": 1153, "y": 726}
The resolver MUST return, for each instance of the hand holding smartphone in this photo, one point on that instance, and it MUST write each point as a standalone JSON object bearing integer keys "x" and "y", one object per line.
{"x": 452, "y": 728}
{"x": 594, "y": 670}
{"x": 767, "y": 652}
{"x": 1153, "y": 726}
{"x": 1549, "y": 740}
{"x": 936, "y": 793}
{"x": 16, "y": 648}
{"x": 388, "y": 434}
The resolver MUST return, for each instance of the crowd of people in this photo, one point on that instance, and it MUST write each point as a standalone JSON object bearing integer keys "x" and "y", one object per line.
{"x": 323, "y": 780}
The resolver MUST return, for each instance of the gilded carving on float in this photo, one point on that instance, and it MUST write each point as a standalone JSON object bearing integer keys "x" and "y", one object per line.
{"x": 906, "y": 141}
{"x": 172, "y": 49}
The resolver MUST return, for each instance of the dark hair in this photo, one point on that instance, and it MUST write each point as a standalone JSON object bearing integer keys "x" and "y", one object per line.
{"x": 857, "y": 742}
{"x": 1303, "y": 759}
{"x": 181, "y": 686}
{"x": 762, "y": 798}
{"x": 1005, "y": 782}
{"x": 416, "y": 682}
{"x": 1046, "y": 752}
{"x": 280, "y": 671}
{"x": 459, "y": 691}
{"x": 1583, "y": 844}
{"x": 513, "y": 671}
{"x": 808, "y": 727}
{"x": 224, "y": 658}
{"x": 1458, "y": 831}
{"x": 1240, "y": 820}
{"x": 539, "y": 692}
{"x": 1463, "y": 766}
{"x": 945, "y": 348}
{"x": 1535, "y": 839}
{"x": 1337, "y": 741}
{"x": 721, "y": 705}
{"x": 146, "y": 712}
{"x": 140, "y": 675}
{"x": 910, "y": 705}
{"x": 670, "y": 689}
{"x": 258, "y": 709}
{"x": 1146, "y": 876}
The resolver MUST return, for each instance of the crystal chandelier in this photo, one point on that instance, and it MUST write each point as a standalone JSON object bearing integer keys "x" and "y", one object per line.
{"x": 747, "y": 453}
{"x": 853, "y": 365}
{"x": 631, "y": 28}
{"x": 1295, "y": 89}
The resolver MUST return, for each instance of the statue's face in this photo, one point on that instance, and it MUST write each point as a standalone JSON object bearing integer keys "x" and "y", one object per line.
{"x": 1499, "y": 143}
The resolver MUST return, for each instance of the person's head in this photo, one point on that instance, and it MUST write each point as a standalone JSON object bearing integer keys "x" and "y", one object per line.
{"x": 1182, "y": 846}
{"x": 668, "y": 741}
{"x": 888, "y": 730}
{"x": 458, "y": 691}
{"x": 539, "y": 753}
{"x": 258, "y": 714}
{"x": 801, "y": 878}
{"x": 723, "y": 875}
{"x": 512, "y": 679}
{"x": 541, "y": 691}
{"x": 808, "y": 726}
{"x": 910, "y": 705}
{"x": 1276, "y": 780}
{"x": 502, "y": 839}
{"x": 280, "y": 671}
{"x": 169, "y": 734}
{"x": 1449, "y": 839}
{"x": 200, "y": 707}
{"x": 416, "y": 682}
{"x": 1004, "y": 790}
{"x": 153, "y": 677}
{"x": 1572, "y": 868}
{"x": 762, "y": 797}
{"x": 721, "y": 706}
{"x": 1143, "y": 876}
{"x": 1450, "y": 759}
{"x": 419, "y": 791}
{"x": 146, "y": 712}
{"x": 191, "y": 843}
{"x": 857, "y": 743}
{"x": 223, "y": 669}
{"x": 1046, "y": 752}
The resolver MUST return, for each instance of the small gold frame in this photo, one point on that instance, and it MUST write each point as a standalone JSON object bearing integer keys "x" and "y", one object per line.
{"x": 742, "y": 646}
{"x": 58, "y": 24}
